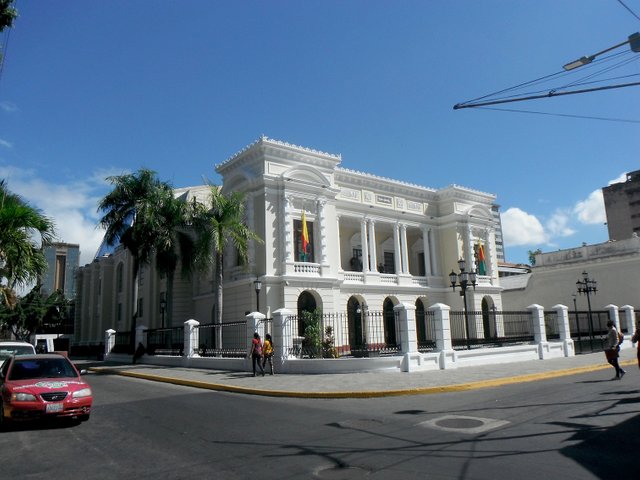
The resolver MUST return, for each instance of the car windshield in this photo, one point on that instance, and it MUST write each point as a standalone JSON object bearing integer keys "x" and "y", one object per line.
{"x": 8, "y": 350}
{"x": 41, "y": 368}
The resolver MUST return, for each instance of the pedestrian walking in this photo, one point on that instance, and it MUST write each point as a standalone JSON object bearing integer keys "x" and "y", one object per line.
{"x": 256, "y": 353}
{"x": 612, "y": 350}
{"x": 267, "y": 352}
{"x": 636, "y": 339}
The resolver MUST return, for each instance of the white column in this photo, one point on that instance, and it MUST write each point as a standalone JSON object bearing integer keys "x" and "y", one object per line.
{"x": 426, "y": 248}
{"x": 323, "y": 231}
{"x": 489, "y": 251}
{"x": 433, "y": 243}
{"x": 562, "y": 313}
{"x": 191, "y": 339}
{"x": 372, "y": 246}
{"x": 287, "y": 234}
{"x": 396, "y": 248}
{"x": 539, "y": 330}
{"x": 405, "y": 250}
{"x": 251, "y": 223}
{"x": 471, "y": 264}
{"x": 365, "y": 245}
{"x": 339, "y": 240}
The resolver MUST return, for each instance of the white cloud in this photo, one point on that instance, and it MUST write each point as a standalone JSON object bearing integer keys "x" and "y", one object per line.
{"x": 521, "y": 228}
{"x": 557, "y": 225}
{"x": 5, "y": 144}
{"x": 72, "y": 207}
{"x": 591, "y": 211}
{"x": 8, "y": 107}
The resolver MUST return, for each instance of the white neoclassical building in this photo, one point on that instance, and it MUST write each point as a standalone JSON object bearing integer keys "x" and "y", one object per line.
{"x": 373, "y": 243}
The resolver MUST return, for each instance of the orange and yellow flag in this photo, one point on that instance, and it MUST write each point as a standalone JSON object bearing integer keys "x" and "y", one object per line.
{"x": 305, "y": 233}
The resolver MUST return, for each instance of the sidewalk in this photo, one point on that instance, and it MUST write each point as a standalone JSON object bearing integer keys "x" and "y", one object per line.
{"x": 379, "y": 384}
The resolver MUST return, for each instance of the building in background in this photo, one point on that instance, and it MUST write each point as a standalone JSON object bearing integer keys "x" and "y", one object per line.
{"x": 63, "y": 260}
{"x": 335, "y": 240}
{"x": 622, "y": 205}
{"x": 495, "y": 211}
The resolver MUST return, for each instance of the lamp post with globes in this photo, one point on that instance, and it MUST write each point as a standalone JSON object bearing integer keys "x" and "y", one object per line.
{"x": 163, "y": 306}
{"x": 463, "y": 279}
{"x": 257, "y": 284}
{"x": 587, "y": 286}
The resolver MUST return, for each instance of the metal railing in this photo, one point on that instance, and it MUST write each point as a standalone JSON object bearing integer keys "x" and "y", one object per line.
{"x": 165, "y": 341}
{"x": 124, "y": 343}
{"x": 227, "y": 339}
{"x": 334, "y": 335}
{"x": 490, "y": 329}
{"x": 426, "y": 331}
{"x": 588, "y": 330}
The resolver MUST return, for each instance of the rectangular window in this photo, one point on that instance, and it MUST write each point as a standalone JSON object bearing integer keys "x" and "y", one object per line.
{"x": 421, "y": 270}
{"x": 300, "y": 255}
{"x": 389, "y": 262}
{"x": 61, "y": 266}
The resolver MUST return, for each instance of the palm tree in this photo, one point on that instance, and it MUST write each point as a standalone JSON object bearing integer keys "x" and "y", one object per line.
{"x": 133, "y": 217}
{"x": 24, "y": 231}
{"x": 222, "y": 224}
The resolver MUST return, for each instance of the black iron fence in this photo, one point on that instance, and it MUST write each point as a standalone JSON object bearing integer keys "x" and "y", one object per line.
{"x": 334, "y": 335}
{"x": 223, "y": 340}
{"x": 426, "y": 331}
{"x": 124, "y": 343}
{"x": 490, "y": 329}
{"x": 551, "y": 325}
{"x": 165, "y": 341}
{"x": 588, "y": 330}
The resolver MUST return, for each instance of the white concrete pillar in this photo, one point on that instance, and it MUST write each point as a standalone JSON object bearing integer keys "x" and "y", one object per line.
{"x": 426, "y": 248}
{"x": 396, "y": 249}
{"x": 630, "y": 319}
{"x": 287, "y": 230}
{"x": 562, "y": 313}
{"x": 109, "y": 341}
{"x": 322, "y": 229}
{"x": 539, "y": 329}
{"x": 372, "y": 246}
{"x": 339, "y": 250}
{"x": 404, "y": 248}
{"x": 191, "y": 339}
{"x": 365, "y": 245}
{"x": 282, "y": 337}
{"x": 406, "y": 315}
{"x": 613, "y": 315}
{"x": 442, "y": 325}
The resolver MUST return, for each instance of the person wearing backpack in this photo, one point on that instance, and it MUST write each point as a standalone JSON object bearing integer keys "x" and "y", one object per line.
{"x": 267, "y": 351}
{"x": 612, "y": 349}
{"x": 256, "y": 353}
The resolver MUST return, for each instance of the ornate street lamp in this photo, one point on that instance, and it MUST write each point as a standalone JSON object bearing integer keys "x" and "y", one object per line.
{"x": 163, "y": 306}
{"x": 257, "y": 284}
{"x": 587, "y": 286}
{"x": 463, "y": 280}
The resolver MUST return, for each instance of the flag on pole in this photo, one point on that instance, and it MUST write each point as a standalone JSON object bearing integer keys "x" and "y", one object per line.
{"x": 482, "y": 266}
{"x": 305, "y": 235}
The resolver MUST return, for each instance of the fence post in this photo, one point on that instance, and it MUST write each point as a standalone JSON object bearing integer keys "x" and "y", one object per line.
{"x": 191, "y": 340}
{"x": 613, "y": 315}
{"x": 630, "y": 319}
{"x": 282, "y": 338}
{"x": 562, "y": 312}
{"x": 407, "y": 327}
{"x": 109, "y": 341}
{"x": 539, "y": 330}
{"x": 253, "y": 325}
{"x": 141, "y": 335}
{"x": 442, "y": 326}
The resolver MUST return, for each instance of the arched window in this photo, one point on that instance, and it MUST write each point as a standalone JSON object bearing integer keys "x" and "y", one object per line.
{"x": 389, "y": 323}
{"x": 306, "y": 303}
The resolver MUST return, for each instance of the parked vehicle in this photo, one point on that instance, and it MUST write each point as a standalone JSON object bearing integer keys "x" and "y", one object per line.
{"x": 42, "y": 386}
{"x": 8, "y": 349}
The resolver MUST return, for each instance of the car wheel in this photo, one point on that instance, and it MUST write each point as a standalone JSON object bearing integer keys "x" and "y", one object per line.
{"x": 4, "y": 421}
{"x": 83, "y": 418}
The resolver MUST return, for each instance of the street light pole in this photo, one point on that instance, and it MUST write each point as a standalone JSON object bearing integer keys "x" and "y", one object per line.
{"x": 463, "y": 279}
{"x": 257, "y": 284}
{"x": 163, "y": 306}
{"x": 586, "y": 287}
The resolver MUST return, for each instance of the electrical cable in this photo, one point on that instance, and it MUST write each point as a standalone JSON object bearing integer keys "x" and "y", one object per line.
{"x": 586, "y": 117}
{"x": 630, "y": 11}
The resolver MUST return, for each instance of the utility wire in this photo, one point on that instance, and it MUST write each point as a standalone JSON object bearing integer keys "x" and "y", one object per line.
{"x": 586, "y": 117}
{"x": 630, "y": 11}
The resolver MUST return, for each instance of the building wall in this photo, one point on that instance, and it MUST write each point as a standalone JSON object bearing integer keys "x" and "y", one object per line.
{"x": 615, "y": 266}
{"x": 345, "y": 209}
{"x": 622, "y": 205}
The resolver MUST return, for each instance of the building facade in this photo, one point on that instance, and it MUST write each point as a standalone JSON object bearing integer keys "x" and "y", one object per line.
{"x": 63, "y": 260}
{"x": 622, "y": 205}
{"x": 334, "y": 239}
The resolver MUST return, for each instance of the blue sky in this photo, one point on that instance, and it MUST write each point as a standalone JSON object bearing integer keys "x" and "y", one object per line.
{"x": 91, "y": 89}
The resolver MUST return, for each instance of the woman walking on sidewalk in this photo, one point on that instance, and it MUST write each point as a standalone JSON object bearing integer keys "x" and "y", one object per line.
{"x": 612, "y": 349}
{"x": 256, "y": 353}
{"x": 636, "y": 339}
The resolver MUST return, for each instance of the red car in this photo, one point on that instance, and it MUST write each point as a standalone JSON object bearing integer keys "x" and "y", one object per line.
{"x": 42, "y": 386}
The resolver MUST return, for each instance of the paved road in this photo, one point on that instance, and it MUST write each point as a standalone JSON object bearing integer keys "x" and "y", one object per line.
{"x": 365, "y": 385}
{"x": 575, "y": 427}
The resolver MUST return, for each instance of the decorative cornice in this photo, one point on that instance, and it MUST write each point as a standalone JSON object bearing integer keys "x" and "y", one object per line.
{"x": 371, "y": 176}
{"x": 263, "y": 140}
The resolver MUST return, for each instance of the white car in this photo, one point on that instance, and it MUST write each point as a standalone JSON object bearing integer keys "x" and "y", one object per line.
{"x": 9, "y": 349}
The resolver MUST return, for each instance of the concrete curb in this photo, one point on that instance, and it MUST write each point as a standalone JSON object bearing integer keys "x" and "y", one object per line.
{"x": 491, "y": 383}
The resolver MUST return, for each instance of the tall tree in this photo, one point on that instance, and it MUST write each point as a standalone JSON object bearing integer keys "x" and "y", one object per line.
{"x": 7, "y": 14}
{"x": 133, "y": 217}
{"x": 32, "y": 312}
{"x": 222, "y": 224}
{"x": 24, "y": 230}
